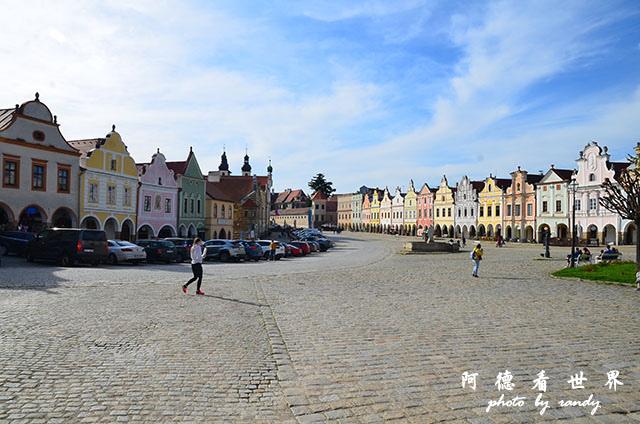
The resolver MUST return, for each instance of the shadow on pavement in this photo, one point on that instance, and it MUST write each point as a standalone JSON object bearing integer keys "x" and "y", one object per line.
{"x": 233, "y": 300}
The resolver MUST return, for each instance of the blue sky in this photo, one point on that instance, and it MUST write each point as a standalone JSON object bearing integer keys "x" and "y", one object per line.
{"x": 372, "y": 92}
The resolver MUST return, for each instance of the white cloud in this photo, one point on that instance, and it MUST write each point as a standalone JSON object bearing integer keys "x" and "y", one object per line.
{"x": 162, "y": 74}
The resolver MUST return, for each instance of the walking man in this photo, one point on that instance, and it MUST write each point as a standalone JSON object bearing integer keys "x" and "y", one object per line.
{"x": 476, "y": 255}
{"x": 272, "y": 253}
{"x": 197, "y": 255}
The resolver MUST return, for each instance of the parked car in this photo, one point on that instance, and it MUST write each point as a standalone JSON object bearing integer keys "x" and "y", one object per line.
{"x": 252, "y": 250}
{"x": 125, "y": 251}
{"x": 323, "y": 243}
{"x": 295, "y": 251}
{"x": 68, "y": 246}
{"x": 15, "y": 241}
{"x": 224, "y": 250}
{"x": 266, "y": 248}
{"x": 303, "y": 246}
{"x": 159, "y": 251}
{"x": 183, "y": 246}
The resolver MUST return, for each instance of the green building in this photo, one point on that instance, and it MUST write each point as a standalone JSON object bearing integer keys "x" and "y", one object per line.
{"x": 191, "y": 197}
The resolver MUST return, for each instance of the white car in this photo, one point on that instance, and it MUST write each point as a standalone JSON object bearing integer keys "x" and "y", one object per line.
{"x": 124, "y": 251}
{"x": 266, "y": 248}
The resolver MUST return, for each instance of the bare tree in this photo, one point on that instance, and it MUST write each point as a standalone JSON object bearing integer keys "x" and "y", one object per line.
{"x": 623, "y": 197}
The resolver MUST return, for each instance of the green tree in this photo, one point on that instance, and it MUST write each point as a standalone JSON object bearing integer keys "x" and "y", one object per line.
{"x": 320, "y": 184}
{"x": 623, "y": 197}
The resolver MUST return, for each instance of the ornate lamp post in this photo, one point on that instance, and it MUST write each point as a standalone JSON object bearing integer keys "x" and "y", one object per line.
{"x": 573, "y": 187}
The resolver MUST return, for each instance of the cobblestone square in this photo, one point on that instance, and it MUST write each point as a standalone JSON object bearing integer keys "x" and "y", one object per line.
{"x": 359, "y": 334}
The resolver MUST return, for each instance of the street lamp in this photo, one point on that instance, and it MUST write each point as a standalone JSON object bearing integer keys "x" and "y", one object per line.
{"x": 573, "y": 187}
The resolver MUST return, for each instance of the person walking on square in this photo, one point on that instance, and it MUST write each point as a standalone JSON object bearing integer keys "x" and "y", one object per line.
{"x": 197, "y": 256}
{"x": 476, "y": 255}
{"x": 272, "y": 252}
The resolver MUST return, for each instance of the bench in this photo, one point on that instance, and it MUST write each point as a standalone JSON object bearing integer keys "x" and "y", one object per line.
{"x": 608, "y": 257}
{"x": 584, "y": 258}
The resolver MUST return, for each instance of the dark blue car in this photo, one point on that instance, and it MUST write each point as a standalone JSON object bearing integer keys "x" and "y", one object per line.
{"x": 14, "y": 241}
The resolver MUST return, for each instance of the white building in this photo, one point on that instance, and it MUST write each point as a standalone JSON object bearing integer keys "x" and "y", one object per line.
{"x": 39, "y": 170}
{"x": 397, "y": 210}
{"x": 466, "y": 207}
{"x": 552, "y": 203}
{"x": 595, "y": 223}
{"x": 385, "y": 210}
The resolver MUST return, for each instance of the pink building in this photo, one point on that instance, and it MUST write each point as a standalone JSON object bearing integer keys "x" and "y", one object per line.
{"x": 425, "y": 208}
{"x": 157, "y": 199}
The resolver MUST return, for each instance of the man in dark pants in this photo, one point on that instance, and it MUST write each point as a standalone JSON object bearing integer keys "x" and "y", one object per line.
{"x": 197, "y": 256}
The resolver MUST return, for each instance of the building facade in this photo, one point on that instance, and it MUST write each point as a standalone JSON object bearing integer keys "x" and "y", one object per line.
{"x": 158, "y": 199}
{"x": 443, "y": 207}
{"x": 290, "y": 199}
{"x": 375, "y": 210}
{"x": 519, "y": 215}
{"x": 594, "y": 222}
{"x": 385, "y": 210}
{"x": 397, "y": 211}
{"x": 491, "y": 198}
{"x": 410, "y": 213}
{"x": 108, "y": 186}
{"x": 191, "y": 191}
{"x": 366, "y": 212}
{"x": 552, "y": 204}
{"x": 466, "y": 207}
{"x": 40, "y": 170}
{"x": 219, "y": 213}
{"x": 345, "y": 213}
{"x": 251, "y": 197}
{"x": 291, "y": 217}
{"x": 425, "y": 209}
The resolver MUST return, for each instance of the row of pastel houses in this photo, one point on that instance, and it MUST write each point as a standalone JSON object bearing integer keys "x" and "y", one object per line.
{"x": 94, "y": 183}
{"x": 522, "y": 207}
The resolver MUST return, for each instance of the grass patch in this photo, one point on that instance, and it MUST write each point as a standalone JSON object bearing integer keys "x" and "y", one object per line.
{"x": 619, "y": 272}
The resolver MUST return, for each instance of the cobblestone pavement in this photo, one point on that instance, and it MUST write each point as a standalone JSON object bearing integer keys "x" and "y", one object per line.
{"x": 358, "y": 334}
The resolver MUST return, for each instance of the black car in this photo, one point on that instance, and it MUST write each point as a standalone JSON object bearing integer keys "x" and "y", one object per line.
{"x": 14, "y": 242}
{"x": 68, "y": 246}
{"x": 183, "y": 246}
{"x": 160, "y": 251}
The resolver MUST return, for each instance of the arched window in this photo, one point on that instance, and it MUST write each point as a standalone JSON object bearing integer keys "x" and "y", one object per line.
{"x": 186, "y": 205}
{"x": 192, "y": 204}
{"x": 518, "y": 187}
{"x": 592, "y": 177}
{"x": 198, "y": 205}
{"x": 222, "y": 214}
{"x": 159, "y": 180}
{"x": 215, "y": 210}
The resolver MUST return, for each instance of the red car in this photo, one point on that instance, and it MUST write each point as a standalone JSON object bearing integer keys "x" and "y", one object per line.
{"x": 295, "y": 250}
{"x": 302, "y": 245}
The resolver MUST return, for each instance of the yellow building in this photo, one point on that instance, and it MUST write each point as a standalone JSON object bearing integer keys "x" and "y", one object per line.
{"x": 410, "y": 210}
{"x": 490, "y": 206}
{"x": 218, "y": 212}
{"x": 375, "y": 210}
{"x": 108, "y": 186}
{"x": 443, "y": 206}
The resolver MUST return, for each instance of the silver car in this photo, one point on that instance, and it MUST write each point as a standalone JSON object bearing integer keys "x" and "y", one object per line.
{"x": 224, "y": 250}
{"x": 124, "y": 251}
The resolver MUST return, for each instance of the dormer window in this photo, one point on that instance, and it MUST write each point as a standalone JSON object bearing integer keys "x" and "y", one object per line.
{"x": 159, "y": 180}
{"x": 518, "y": 187}
{"x": 114, "y": 164}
